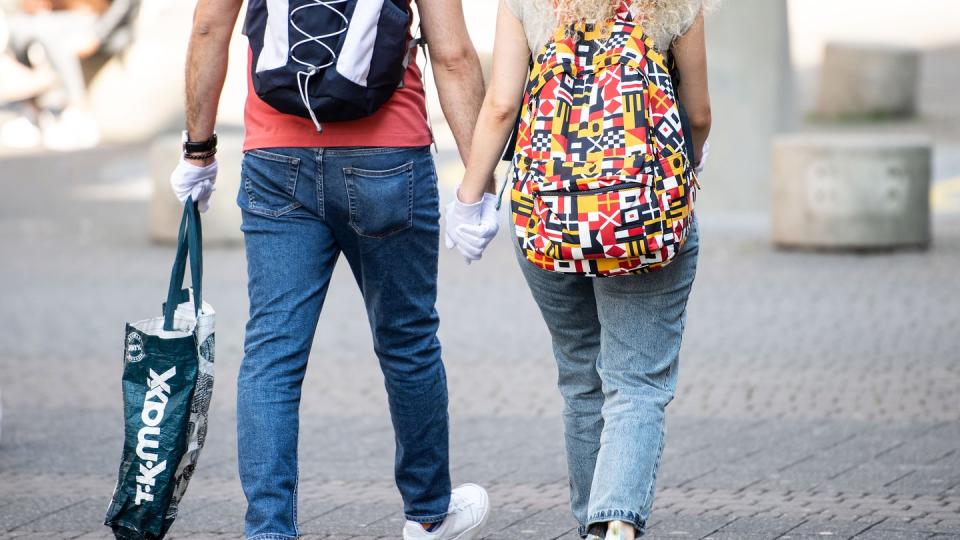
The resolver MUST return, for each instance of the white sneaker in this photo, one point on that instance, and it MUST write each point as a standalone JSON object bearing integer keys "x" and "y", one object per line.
{"x": 75, "y": 130}
{"x": 20, "y": 133}
{"x": 466, "y": 516}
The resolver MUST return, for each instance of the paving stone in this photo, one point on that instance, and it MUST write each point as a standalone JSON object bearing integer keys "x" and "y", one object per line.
{"x": 930, "y": 479}
{"x": 737, "y": 535}
{"x": 943, "y": 528}
{"x": 886, "y": 534}
{"x": 47, "y": 535}
{"x": 770, "y": 527}
{"x": 87, "y": 514}
{"x": 674, "y": 526}
{"x": 20, "y": 514}
{"x": 210, "y": 516}
{"x": 550, "y": 523}
{"x": 355, "y": 519}
{"x": 829, "y": 529}
{"x": 95, "y": 535}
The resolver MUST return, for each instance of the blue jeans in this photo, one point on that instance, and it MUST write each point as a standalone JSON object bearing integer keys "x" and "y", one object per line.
{"x": 301, "y": 208}
{"x": 617, "y": 343}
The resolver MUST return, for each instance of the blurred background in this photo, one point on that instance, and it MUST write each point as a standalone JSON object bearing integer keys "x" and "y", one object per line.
{"x": 820, "y": 384}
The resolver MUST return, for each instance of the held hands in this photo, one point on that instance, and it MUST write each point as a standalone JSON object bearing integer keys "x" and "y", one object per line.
{"x": 189, "y": 179}
{"x": 471, "y": 227}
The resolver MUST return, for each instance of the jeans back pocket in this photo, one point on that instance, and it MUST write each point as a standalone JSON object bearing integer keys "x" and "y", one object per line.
{"x": 381, "y": 202}
{"x": 269, "y": 183}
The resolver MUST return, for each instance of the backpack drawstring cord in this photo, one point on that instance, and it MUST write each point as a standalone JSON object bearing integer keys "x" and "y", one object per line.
{"x": 303, "y": 77}
{"x": 303, "y": 85}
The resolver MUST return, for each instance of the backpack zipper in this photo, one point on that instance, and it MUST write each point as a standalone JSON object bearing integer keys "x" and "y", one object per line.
{"x": 596, "y": 191}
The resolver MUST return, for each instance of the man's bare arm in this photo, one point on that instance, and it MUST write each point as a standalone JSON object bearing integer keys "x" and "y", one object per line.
{"x": 207, "y": 55}
{"x": 456, "y": 67}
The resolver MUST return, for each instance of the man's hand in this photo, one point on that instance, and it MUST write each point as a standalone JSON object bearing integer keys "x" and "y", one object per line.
{"x": 456, "y": 67}
{"x": 191, "y": 180}
{"x": 213, "y": 22}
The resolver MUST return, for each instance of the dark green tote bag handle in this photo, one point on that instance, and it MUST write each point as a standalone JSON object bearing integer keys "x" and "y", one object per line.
{"x": 189, "y": 244}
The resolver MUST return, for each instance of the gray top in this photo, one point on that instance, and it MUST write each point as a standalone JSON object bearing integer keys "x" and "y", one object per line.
{"x": 540, "y": 21}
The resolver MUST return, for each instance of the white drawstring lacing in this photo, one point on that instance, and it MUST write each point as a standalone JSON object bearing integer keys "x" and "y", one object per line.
{"x": 303, "y": 77}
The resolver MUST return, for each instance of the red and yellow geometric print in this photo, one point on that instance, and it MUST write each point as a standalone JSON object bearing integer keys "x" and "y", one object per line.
{"x": 602, "y": 184}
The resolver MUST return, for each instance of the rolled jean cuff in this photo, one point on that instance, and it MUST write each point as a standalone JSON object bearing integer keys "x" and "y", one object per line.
{"x": 272, "y": 536}
{"x": 605, "y": 516}
{"x": 427, "y": 519}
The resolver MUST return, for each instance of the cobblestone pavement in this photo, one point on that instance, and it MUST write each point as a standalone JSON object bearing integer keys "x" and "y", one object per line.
{"x": 818, "y": 393}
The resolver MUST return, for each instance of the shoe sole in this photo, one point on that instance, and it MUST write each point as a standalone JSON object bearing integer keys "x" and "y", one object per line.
{"x": 473, "y": 532}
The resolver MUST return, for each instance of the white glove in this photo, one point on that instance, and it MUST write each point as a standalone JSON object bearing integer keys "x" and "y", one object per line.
{"x": 704, "y": 154}
{"x": 471, "y": 227}
{"x": 479, "y": 236}
{"x": 199, "y": 182}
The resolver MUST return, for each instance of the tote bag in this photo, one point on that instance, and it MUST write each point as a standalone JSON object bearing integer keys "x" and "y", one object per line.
{"x": 167, "y": 385}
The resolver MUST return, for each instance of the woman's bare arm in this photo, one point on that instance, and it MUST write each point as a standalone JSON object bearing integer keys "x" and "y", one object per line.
{"x": 511, "y": 61}
{"x": 690, "y": 55}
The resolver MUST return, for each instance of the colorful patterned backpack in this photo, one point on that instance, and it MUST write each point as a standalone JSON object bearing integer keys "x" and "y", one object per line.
{"x": 602, "y": 183}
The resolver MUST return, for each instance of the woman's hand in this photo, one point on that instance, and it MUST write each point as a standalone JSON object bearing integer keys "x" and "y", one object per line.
{"x": 471, "y": 227}
{"x": 704, "y": 154}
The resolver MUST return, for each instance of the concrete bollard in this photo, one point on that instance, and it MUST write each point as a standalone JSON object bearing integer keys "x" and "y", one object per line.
{"x": 852, "y": 191}
{"x": 751, "y": 91}
{"x": 868, "y": 81}
{"x": 221, "y": 223}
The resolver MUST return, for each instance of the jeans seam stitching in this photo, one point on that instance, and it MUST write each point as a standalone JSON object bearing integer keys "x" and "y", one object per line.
{"x": 427, "y": 519}
{"x": 293, "y": 174}
{"x": 321, "y": 210}
{"x": 263, "y": 211}
{"x": 603, "y": 515}
{"x": 296, "y": 487}
{"x": 371, "y": 150}
{"x": 270, "y": 156}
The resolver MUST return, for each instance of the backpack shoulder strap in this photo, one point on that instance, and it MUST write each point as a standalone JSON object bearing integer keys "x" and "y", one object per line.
{"x": 512, "y": 141}
{"x": 684, "y": 119}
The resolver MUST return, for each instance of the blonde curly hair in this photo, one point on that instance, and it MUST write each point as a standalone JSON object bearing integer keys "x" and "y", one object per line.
{"x": 663, "y": 20}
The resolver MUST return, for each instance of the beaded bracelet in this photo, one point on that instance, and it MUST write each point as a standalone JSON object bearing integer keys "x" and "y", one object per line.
{"x": 200, "y": 155}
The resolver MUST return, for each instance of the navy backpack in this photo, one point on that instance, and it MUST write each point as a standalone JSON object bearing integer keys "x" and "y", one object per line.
{"x": 328, "y": 60}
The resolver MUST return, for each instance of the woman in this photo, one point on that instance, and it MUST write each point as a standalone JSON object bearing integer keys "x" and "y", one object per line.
{"x": 616, "y": 340}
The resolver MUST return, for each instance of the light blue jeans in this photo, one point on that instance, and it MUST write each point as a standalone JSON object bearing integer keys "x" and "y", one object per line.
{"x": 617, "y": 344}
{"x": 302, "y": 208}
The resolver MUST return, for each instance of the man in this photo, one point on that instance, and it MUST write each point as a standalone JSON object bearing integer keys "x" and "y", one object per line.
{"x": 365, "y": 188}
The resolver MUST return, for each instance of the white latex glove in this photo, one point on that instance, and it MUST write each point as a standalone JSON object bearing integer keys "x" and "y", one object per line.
{"x": 199, "y": 182}
{"x": 478, "y": 237}
{"x": 471, "y": 227}
{"x": 704, "y": 154}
